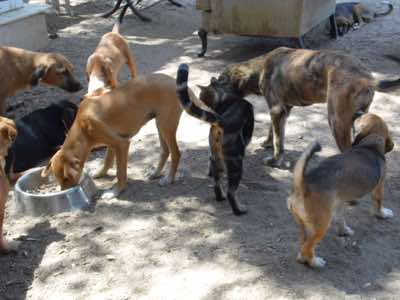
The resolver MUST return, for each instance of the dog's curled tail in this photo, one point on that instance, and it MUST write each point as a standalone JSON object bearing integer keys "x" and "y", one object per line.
{"x": 298, "y": 174}
{"x": 390, "y": 9}
{"x": 187, "y": 104}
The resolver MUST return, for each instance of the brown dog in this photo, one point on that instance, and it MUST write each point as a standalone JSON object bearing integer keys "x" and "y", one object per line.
{"x": 297, "y": 77}
{"x": 22, "y": 69}
{"x": 322, "y": 193}
{"x": 104, "y": 64}
{"x": 8, "y": 132}
{"x": 111, "y": 119}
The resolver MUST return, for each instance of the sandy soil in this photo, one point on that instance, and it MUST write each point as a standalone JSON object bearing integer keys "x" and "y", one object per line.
{"x": 176, "y": 242}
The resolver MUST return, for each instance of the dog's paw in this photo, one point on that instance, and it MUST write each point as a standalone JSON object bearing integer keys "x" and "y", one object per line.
{"x": 317, "y": 262}
{"x": 273, "y": 162}
{"x": 110, "y": 193}
{"x": 96, "y": 174}
{"x": 384, "y": 213}
{"x": 219, "y": 194}
{"x": 300, "y": 258}
{"x": 166, "y": 180}
{"x": 345, "y": 230}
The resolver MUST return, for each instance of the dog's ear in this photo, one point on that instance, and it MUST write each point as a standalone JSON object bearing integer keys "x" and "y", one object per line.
{"x": 359, "y": 135}
{"x": 38, "y": 74}
{"x": 357, "y": 114}
{"x": 72, "y": 171}
{"x": 224, "y": 79}
{"x": 8, "y": 133}
{"x": 389, "y": 145}
{"x": 107, "y": 72}
{"x": 202, "y": 87}
{"x": 86, "y": 126}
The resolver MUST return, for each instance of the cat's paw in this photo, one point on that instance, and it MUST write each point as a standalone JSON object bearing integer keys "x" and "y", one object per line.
{"x": 111, "y": 193}
{"x": 384, "y": 213}
{"x": 165, "y": 180}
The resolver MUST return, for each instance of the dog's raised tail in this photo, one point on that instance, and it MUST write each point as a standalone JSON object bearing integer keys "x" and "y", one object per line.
{"x": 187, "y": 104}
{"x": 298, "y": 174}
{"x": 390, "y": 9}
{"x": 117, "y": 24}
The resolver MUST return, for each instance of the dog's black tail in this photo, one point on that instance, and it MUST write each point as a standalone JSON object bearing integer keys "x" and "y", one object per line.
{"x": 187, "y": 104}
{"x": 390, "y": 9}
{"x": 384, "y": 85}
{"x": 301, "y": 165}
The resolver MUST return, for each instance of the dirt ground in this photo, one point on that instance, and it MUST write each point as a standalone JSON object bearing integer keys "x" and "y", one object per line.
{"x": 177, "y": 242}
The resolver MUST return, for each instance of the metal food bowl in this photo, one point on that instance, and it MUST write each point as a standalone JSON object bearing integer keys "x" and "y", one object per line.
{"x": 28, "y": 203}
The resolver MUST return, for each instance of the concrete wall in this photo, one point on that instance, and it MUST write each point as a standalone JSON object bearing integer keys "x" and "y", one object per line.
{"x": 25, "y": 27}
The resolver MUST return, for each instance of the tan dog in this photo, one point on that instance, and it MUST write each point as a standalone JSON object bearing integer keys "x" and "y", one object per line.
{"x": 111, "y": 119}
{"x": 322, "y": 193}
{"x": 8, "y": 132}
{"x": 22, "y": 69}
{"x": 104, "y": 64}
{"x": 298, "y": 77}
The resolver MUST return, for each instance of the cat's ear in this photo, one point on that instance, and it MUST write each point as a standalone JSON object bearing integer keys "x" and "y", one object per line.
{"x": 201, "y": 87}
{"x": 223, "y": 79}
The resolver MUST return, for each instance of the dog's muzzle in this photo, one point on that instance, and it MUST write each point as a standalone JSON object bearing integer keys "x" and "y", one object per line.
{"x": 72, "y": 86}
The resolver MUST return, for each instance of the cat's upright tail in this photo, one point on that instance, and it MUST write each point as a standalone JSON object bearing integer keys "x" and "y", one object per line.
{"x": 187, "y": 104}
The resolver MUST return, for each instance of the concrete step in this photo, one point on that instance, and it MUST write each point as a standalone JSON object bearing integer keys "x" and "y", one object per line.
{"x": 25, "y": 27}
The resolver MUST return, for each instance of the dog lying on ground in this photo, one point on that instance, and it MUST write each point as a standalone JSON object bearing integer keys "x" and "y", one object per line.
{"x": 8, "y": 133}
{"x": 298, "y": 77}
{"x": 22, "y": 69}
{"x": 348, "y": 14}
{"x": 111, "y": 119}
{"x": 322, "y": 193}
{"x": 232, "y": 123}
{"x": 104, "y": 64}
{"x": 40, "y": 133}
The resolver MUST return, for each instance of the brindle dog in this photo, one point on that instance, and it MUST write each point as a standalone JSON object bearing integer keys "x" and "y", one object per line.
{"x": 232, "y": 123}
{"x": 348, "y": 14}
{"x": 298, "y": 77}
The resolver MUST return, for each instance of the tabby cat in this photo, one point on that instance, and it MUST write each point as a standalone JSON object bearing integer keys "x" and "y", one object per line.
{"x": 232, "y": 123}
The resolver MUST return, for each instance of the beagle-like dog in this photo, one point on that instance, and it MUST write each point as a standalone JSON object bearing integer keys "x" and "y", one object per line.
{"x": 321, "y": 194}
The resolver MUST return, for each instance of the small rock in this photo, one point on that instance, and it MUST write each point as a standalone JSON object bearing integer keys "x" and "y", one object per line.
{"x": 111, "y": 257}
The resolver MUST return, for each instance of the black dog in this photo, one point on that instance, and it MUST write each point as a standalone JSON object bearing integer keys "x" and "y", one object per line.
{"x": 39, "y": 135}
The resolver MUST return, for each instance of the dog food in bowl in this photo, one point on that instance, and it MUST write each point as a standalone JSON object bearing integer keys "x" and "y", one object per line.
{"x": 46, "y": 188}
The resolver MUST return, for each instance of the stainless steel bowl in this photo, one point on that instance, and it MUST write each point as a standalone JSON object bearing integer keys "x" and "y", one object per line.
{"x": 28, "y": 203}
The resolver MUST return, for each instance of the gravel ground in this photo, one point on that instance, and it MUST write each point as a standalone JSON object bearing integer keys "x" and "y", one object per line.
{"x": 176, "y": 242}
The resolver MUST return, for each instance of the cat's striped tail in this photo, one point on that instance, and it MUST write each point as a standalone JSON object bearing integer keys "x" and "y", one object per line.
{"x": 187, "y": 104}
